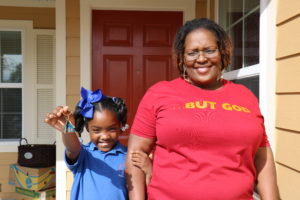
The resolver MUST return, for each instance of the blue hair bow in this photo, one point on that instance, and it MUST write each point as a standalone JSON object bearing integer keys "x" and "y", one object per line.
{"x": 89, "y": 97}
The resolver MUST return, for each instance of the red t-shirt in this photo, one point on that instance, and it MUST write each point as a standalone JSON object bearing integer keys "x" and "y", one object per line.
{"x": 205, "y": 140}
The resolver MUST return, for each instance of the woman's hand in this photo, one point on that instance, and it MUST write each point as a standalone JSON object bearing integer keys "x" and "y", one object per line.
{"x": 58, "y": 117}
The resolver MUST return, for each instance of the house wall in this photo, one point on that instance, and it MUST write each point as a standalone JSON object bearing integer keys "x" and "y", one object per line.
{"x": 205, "y": 9}
{"x": 288, "y": 98}
{"x": 73, "y": 52}
{"x": 6, "y": 190}
{"x": 42, "y": 18}
{"x": 73, "y": 64}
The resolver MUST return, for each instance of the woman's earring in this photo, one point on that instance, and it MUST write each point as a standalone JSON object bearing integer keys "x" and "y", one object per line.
{"x": 185, "y": 75}
{"x": 220, "y": 75}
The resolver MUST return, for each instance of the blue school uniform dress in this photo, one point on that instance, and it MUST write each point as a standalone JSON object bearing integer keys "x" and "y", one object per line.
{"x": 99, "y": 175}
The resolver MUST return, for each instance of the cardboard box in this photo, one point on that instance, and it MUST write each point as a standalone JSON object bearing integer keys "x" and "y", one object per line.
{"x": 25, "y": 194}
{"x": 35, "y": 179}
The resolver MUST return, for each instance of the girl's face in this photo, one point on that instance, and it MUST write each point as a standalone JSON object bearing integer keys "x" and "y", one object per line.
{"x": 202, "y": 58}
{"x": 104, "y": 130}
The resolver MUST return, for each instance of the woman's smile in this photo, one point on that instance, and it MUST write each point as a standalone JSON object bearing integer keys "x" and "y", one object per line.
{"x": 202, "y": 59}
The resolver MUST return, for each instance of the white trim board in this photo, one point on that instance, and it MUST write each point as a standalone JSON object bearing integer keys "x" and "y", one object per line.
{"x": 243, "y": 72}
{"x": 267, "y": 81}
{"x": 60, "y": 94}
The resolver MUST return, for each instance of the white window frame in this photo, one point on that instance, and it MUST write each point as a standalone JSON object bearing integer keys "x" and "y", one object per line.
{"x": 244, "y": 72}
{"x": 250, "y": 71}
{"x": 28, "y": 95}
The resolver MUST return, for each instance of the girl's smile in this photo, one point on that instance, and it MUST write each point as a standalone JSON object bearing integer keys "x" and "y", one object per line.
{"x": 104, "y": 130}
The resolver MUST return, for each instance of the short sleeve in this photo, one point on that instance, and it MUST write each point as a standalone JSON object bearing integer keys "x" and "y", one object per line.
{"x": 144, "y": 123}
{"x": 265, "y": 140}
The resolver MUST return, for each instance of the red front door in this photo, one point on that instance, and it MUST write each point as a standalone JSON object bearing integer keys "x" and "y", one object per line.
{"x": 132, "y": 50}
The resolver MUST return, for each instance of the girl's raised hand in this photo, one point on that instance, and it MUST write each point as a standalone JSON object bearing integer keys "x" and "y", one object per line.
{"x": 58, "y": 117}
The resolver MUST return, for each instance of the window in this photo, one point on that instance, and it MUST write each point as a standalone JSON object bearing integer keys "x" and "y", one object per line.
{"x": 27, "y": 83}
{"x": 240, "y": 18}
{"x": 10, "y": 84}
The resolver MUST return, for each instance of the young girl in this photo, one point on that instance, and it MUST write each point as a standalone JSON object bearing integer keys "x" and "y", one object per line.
{"x": 98, "y": 167}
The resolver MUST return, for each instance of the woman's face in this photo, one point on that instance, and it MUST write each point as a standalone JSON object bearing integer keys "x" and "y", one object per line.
{"x": 104, "y": 130}
{"x": 202, "y": 59}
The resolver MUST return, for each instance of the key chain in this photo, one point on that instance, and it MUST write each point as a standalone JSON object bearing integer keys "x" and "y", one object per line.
{"x": 69, "y": 127}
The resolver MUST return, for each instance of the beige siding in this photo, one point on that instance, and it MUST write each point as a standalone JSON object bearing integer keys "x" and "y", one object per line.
{"x": 288, "y": 73}
{"x": 288, "y": 182}
{"x": 287, "y": 10}
{"x": 73, "y": 51}
{"x": 73, "y": 28}
{"x": 73, "y": 71}
{"x": 288, "y": 99}
{"x": 205, "y": 8}
{"x": 289, "y": 141}
{"x": 73, "y": 83}
{"x": 43, "y": 18}
{"x": 288, "y": 38}
{"x": 5, "y": 160}
{"x": 201, "y": 8}
{"x": 73, "y": 48}
{"x": 73, "y": 62}
{"x": 288, "y": 111}
{"x": 212, "y": 10}
{"x": 72, "y": 101}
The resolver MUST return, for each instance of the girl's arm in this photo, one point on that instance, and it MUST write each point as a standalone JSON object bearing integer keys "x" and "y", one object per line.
{"x": 57, "y": 119}
{"x": 144, "y": 162}
{"x": 266, "y": 174}
{"x": 135, "y": 177}
{"x": 72, "y": 145}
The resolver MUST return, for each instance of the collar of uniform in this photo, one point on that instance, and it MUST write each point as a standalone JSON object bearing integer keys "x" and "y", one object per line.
{"x": 118, "y": 148}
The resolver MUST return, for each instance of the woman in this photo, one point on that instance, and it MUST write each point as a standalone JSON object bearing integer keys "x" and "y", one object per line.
{"x": 209, "y": 136}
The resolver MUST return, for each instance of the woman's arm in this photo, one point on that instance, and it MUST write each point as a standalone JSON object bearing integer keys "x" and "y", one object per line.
{"x": 266, "y": 174}
{"x": 135, "y": 177}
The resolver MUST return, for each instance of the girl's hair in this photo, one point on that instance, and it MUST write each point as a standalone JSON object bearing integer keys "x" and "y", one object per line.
{"x": 223, "y": 40}
{"x": 113, "y": 104}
